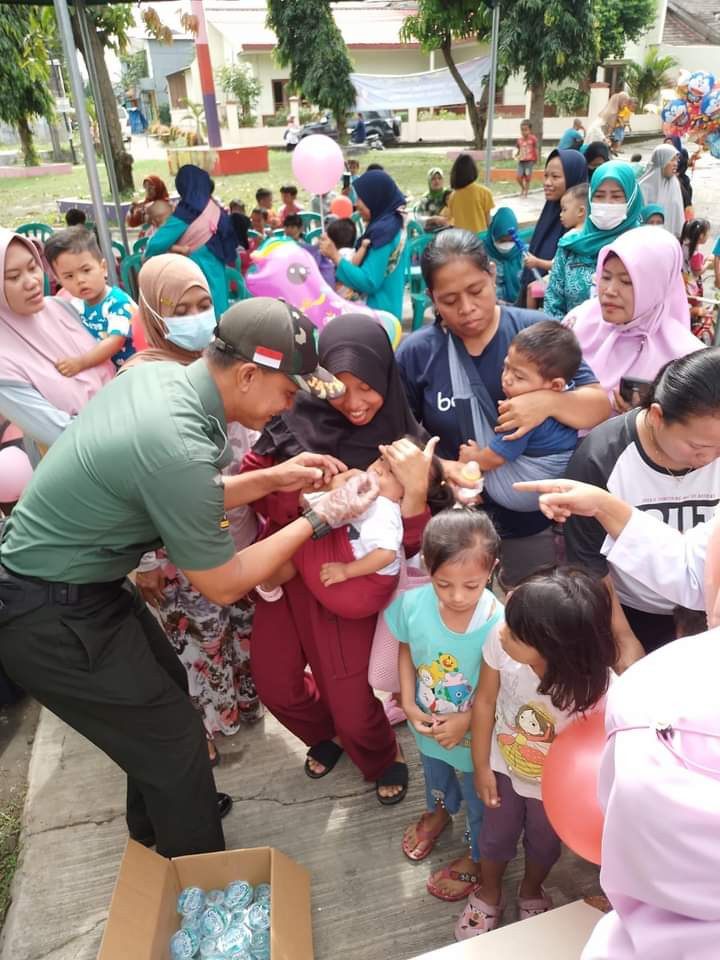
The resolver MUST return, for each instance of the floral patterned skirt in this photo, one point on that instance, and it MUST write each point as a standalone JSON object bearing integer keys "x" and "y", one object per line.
{"x": 213, "y": 643}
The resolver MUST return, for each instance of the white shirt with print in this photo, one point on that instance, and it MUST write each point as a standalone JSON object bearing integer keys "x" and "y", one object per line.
{"x": 526, "y": 722}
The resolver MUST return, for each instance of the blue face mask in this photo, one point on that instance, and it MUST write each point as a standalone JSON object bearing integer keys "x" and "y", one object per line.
{"x": 192, "y": 332}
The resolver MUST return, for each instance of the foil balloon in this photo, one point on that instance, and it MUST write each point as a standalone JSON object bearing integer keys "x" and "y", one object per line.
{"x": 675, "y": 113}
{"x": 699, "y": 85}
{"x": 710, "y": 104}
{"x": 282, "y": 268}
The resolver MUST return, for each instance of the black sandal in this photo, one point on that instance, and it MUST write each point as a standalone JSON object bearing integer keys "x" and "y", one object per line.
{"x": 327, "y": 752}
{"x": 396, "y": 775}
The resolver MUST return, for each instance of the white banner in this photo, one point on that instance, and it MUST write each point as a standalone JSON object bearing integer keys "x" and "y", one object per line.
{"x": 434, "y": 88}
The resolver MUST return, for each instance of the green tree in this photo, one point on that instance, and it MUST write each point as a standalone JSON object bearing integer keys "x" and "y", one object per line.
{"x": 548, "y": 41}
{"x": 616, "y": 23}
{"x": 134, "y": 68}
{"x": 645, "y": 80}
{"x": 239, "y": 82}
{"x": 108, "y": 28}
{"x": 311, "y": 45}
{"x": 435, "y": 25}
{"x": 24, "y": 76}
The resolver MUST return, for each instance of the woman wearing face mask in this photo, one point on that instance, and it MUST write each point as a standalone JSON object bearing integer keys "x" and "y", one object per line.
{"x": 36, "y": 332}
{"x": 661, "y": 185}
{"x": 212, "y": 641}
{"x": 201, "y": 226}
{"x": 505, "y": 254}
{"x": 458, "y": 360}
{"x": 615, "y": 205}
{"x": 564, "y": 169}
{"x": 639, "y": 319}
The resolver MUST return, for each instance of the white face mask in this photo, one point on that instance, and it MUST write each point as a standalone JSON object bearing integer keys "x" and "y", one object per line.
{"x": 606, "y": 216}
{"x": 505, "y": 247}
{"x": 192, "y": 332}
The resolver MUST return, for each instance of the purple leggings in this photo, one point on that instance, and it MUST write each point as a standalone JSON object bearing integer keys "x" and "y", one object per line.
{"x": 503, "y": 825}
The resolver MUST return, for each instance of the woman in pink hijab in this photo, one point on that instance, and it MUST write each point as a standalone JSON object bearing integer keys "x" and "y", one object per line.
{"x": 660, "y": 787}
{"x": 35, "y": 333}
{"x": 640, "y": 318}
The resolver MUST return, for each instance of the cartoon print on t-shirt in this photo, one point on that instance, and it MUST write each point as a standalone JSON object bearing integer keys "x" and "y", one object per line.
{"x": 441, "y": 688}
{"x": 525, "y": 752}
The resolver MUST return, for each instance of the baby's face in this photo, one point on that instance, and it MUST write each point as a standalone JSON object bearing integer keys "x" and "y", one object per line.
{"x": 390, "y": 487}
{"x": 520, "y": 375}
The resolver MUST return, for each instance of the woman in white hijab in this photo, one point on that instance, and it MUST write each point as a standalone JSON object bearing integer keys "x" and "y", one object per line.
{"x": 660, "y": 185}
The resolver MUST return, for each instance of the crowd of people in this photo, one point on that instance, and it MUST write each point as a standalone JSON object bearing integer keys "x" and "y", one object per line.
{"x": 270, "y": 489}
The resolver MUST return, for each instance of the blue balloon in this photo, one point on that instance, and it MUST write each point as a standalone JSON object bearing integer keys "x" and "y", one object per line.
{"x": 712, "y": 141}
{"x": 710, "y": 105}
{"x": 675, "y": 112}
{"x": 699, "y": 85}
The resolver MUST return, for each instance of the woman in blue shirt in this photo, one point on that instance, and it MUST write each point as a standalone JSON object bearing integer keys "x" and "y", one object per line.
{"x": 382, "y": 273}
{"x": 461, "y": 282}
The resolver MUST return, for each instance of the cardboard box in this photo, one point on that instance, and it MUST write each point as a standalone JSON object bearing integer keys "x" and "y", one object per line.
{"x": 143, "y": 917}
{"x": 558, "y": 934}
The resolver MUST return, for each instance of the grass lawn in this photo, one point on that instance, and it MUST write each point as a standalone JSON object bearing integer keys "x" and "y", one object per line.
{"x": 33, "y": 199}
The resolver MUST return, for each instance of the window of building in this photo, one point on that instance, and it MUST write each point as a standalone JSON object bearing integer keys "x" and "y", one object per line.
{"x": 279, "y": 94}
{"x": 177, "y": 89}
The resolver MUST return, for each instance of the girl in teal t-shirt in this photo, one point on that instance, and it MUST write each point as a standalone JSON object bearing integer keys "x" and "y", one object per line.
{"x": 442, "y": 629}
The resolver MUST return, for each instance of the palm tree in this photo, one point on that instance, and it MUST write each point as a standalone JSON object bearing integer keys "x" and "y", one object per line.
{"x": 645, "y": 80}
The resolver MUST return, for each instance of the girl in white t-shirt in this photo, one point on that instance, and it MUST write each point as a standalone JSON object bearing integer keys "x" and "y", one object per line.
{"x": 551, "y": 661}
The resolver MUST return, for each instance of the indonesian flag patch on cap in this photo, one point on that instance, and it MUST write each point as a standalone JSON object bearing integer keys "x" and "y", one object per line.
{"x": 267, "y": 357}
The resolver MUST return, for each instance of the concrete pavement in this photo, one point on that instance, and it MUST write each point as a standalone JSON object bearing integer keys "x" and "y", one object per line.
{"x": 369, "y": 902}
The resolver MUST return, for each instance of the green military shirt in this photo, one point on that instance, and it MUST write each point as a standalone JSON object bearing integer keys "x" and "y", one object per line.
{"x": 138, "y": 468}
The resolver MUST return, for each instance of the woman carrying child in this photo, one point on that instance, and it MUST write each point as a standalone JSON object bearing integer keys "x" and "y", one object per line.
{"x": 37, "y": 332}
{"x": 381, "y": 274}
{"x": 452, "y": 373}
{"x": 615, "y": 205}
{"x": 331, "y": 628}
{"x": 564, "y": 169}
{"x": 551, "y": 661}
{"x": 442, "y": 628}
{"x": 201, "y": 225}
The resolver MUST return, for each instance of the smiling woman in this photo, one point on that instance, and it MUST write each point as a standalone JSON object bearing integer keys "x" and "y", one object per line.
{"x": 36, "y": 333}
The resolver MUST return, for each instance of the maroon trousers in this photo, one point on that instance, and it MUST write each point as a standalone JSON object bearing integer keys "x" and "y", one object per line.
{"x": 331, "y": 630}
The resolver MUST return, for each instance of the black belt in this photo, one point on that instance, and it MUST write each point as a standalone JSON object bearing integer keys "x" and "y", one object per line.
{"x": 64, "y": 593}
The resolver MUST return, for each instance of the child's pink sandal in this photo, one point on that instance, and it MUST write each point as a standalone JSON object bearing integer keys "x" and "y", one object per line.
{"x": 532, "y": 906}
{"x": 478, "y": 917}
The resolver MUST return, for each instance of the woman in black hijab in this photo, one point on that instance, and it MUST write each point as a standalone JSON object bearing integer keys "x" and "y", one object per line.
{"x": 356, "y": 349}
{"x": 333, "y": 708}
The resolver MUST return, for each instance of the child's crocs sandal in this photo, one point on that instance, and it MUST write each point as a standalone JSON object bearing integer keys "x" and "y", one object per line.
{"x": 532, "y": 906}
{"x": 469, "y": 881}
{"x": 478, "y": 917}
{"x": 425, "y": 838}
{"x": 327, "y": 752}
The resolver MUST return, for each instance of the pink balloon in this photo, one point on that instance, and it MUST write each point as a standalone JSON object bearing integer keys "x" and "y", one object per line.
{"x": 318, "y": 163}
{"x": 282, "y": 268}
{"x": 569, "y": 785}
{"x": 15, "y": 473}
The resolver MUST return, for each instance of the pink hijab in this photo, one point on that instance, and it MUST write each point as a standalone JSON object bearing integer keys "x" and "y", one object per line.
{"x": 660, "y": 328}
{"x": 661, "y": 793}
{"x": 31, "y": 345}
